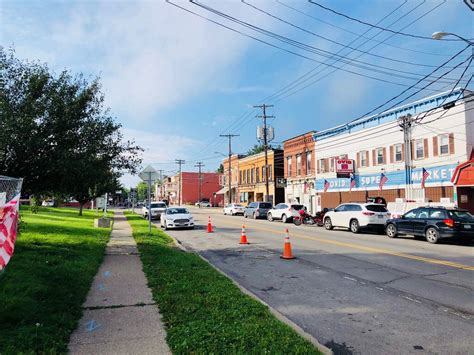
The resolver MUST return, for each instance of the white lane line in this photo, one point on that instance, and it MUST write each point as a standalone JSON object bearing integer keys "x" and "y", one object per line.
{"x": 350, "y": 278}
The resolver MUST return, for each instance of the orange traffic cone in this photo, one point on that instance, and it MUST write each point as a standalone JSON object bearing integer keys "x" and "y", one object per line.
{"x": 243, "y": 237}
{"x": 209, "y": 225}
{"x": 287, "y": 248}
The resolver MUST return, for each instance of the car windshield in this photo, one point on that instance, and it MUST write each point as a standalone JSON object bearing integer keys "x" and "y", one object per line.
{"x": 176, "y": 210}
{"x": 158, "y": 205}
{"x": 297, "y": 207}
{"x": 265, "y": 205}
{"x": 376, "y": 208}
{"x": 463, "y": 215}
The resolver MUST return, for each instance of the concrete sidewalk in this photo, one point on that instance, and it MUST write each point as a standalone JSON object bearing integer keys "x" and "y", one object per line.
{"x": 120, "y": 316}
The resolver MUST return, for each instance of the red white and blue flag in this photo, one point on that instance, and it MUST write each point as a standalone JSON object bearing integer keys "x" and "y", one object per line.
{"x": 353, "y": 183}
{"x": 326, "y": 185}
{"x": 8, "y": 226}
{"x": 383, "y": 180}
{"x": 424, "y": 176}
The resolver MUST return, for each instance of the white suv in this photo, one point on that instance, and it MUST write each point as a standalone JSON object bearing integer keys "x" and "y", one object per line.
{"x": 356, "y": 216}
{"x": 284, "y": 211}
{"x": 157, "y": 208}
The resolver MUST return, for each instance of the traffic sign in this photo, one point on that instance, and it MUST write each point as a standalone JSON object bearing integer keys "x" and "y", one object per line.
{"x": 149, "y": 174}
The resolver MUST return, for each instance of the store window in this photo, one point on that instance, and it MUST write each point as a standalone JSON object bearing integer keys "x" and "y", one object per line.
{"x": 398, "y": 153}
{"x": 419, "y": 149}
{"x": 308, "y": 163}
{"x": 443, "y": 140}
{"x": 380, "y": 156}
{"x": 363, "y": 159}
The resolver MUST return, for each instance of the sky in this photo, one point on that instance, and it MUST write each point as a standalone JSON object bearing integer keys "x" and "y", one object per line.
{"x": 177, "y": 81}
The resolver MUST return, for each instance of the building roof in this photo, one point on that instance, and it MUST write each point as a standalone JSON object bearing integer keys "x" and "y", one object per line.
{"x": 299, "y": 135}
{"x": 412, "y": 108}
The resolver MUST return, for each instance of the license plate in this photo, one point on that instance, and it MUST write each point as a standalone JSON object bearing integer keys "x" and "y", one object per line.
{"x": 380, "y": 216}
{"x": 467, "y": 226}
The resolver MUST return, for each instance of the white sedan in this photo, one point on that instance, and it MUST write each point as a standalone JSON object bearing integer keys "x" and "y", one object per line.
{"x": 233, "y": 209}
{"x": 176, "y": 217}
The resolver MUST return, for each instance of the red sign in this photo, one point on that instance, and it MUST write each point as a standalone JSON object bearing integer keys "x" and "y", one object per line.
{"x": 344, "y": 166}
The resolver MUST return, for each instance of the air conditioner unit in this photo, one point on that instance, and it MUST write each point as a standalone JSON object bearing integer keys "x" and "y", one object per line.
{"x": 445, "y": 200}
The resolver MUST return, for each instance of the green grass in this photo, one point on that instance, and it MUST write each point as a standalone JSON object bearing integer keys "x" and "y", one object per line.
{"x": 46, "y": 282}
{"x": 203, "y": 311}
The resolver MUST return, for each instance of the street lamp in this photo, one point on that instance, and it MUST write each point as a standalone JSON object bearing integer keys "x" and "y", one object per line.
{"x": 438, "y": 35}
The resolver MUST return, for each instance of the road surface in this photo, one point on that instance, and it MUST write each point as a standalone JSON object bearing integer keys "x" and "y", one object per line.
{"x": 357, "y": 294}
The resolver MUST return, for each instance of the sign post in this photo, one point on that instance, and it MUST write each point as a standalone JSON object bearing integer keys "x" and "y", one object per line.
{"x": 149, "y": 175}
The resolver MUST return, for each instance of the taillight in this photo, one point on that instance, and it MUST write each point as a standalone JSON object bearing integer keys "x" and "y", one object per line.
{"x": 289, "y": 209}
{"x": 368, "y": 213}
{"x": 258, "y": 209}
{"x": 389, "y": 215}
{"x": 449, "y": 222}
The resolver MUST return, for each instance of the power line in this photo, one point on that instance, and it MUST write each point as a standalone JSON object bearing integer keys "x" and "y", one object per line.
{"x": 375, "y": 26}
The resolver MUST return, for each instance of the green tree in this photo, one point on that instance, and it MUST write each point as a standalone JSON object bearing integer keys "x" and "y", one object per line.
{"x": 220, "y": 169}
{"x": 142, "y": 191}
{"x": 57, "y": 134}
{"x": 257, "y": 148}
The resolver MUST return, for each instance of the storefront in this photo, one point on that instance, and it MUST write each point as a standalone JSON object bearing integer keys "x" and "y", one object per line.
{"x": 463, "y": 180}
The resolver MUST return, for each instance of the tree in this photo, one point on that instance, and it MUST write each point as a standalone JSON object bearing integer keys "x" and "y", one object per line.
{"x": 142, "y": 191}
{"x": 57, "y": 134}
{"x": 220, "y": 169}
{"x": 257, "y": 148}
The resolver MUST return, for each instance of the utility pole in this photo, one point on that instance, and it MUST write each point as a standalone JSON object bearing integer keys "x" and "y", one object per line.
{"x": 230, "y": 165}
{"x": 161, "y": 181}
{"x": 405, "y": 123}
{"x": 199, "y": 165}
{"x": 265, "y": 145}
{"x": 180, "y": 162}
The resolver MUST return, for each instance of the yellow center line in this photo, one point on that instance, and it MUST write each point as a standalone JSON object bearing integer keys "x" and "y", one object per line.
{"x": 370, "y": 249}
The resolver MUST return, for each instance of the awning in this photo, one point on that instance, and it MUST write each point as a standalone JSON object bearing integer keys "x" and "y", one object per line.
{"x": 464, "y": 174}
{"x": 222, "y": 191}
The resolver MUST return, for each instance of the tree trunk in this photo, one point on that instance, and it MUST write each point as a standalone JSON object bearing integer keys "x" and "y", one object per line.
{"x": 81, "y": 205}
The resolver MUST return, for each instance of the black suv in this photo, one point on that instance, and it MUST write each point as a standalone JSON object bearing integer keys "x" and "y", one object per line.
{"x": 433, "y": 223}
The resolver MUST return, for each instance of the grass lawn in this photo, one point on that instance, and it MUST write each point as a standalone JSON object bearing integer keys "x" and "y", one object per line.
{"x": 203, "y": 311}
{"x": 43, "y": 287}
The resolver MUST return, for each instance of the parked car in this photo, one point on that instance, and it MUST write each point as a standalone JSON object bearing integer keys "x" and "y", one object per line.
{"x": 47, "y": 203}
{"x": 257, "y": 209}
{"x": 284, "y": 211}
{"x": 157, "y": 208}
{"x": 357, "y": 216}
{"x": 234, "y": 209}
{"x": 177, "y": 217}
{"x": 433, "y": 223}
{"x": 202, "y": 204}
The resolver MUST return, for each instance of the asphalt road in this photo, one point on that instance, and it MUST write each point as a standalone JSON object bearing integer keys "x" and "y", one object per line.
{"x": 357, "y": 294}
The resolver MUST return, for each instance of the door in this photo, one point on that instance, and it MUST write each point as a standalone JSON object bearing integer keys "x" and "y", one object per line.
{"x": 281, "y": 210}
{"x": 420, "y": 221}
{"x": 405, "y": 225}
{"x": 338, "y": 216}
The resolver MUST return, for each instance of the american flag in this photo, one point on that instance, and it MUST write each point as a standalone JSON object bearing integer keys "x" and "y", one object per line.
{"x": 383, "y": 180}
{"x": 353, "y": 183}
{"x": 8, "y": 224}
{"x": 326, "y": 185}
{"x": 424, "y": 177}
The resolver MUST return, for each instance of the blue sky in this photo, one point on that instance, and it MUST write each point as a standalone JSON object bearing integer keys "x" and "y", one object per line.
{"x": 176, "y": 81}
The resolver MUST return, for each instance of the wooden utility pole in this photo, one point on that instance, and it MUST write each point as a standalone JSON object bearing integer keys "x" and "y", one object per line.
{"x": 199, "y": 165}
{"x": 180, "y": 162}
{"x": 265, "y": 145}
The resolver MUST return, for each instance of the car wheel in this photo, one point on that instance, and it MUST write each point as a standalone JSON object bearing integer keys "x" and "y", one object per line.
{"x": 254, "y": 216}
{"x": 231, "y": 213}
{"x": 391, "y": 231}
{"x": 432, "y": 235}
{"x": 270, "y": 217}
{"x": 225, "y": 213}
{"x": 354, "y": 226}
{"x": 284, "y": 219}
{"x": 166, "y": 226}
{"x": 328, "y": 224}
{"x": 245, "y": 215}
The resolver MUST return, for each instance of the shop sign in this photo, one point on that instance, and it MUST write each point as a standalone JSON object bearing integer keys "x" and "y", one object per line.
{"x": 396, "y": 179}
{"x": 344, "y": 166}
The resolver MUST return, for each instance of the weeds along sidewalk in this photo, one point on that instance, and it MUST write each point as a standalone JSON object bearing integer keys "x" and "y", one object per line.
{"x": 57, "y": 254}
{"x": 120, "y": 316}
{"x": 203, "y": 311}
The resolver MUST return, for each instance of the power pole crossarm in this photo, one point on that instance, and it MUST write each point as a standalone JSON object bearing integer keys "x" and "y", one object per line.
{"x": 230, "y": 136}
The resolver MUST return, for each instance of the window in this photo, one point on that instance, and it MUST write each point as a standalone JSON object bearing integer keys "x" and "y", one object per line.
{"x": 438, "y": 213}
{"x": 398, "y": 153}
{"x": 363, "y": 158}
{"x": 419, "y": 149}
{"x": 270, "y": 173}
{"x": 321, "y": 165}
{"x": 332, "y": 164}
{"x": 257, "y": 175}
{"x": 248, "y": 176}
{"x": 263, "y": 173}
{"x": 344, "y": 156}
{"x": 240, "y": 177}
{"x": 252, "y": 175}
{"x": 380, "y": 156}
{"x": 298, "y": 165}
{"x": 443, "y": 144}
{"x": 288, "y": 160}
{"x": 376, "y": 208}
{"x": 412, "y": 214}
{"x": 308, "y": 163}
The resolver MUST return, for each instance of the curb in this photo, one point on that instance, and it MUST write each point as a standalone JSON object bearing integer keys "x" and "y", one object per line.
{"x": 280, "y": 316}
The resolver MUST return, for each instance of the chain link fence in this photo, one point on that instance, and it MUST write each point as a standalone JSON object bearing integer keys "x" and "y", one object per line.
{"x": 9, "y": 188}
